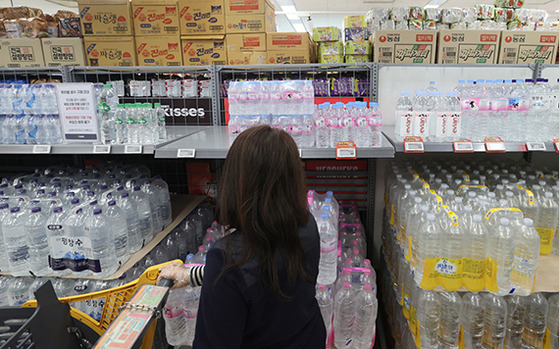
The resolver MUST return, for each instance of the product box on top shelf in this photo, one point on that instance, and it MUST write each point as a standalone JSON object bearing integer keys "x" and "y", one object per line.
{"x": 336, "y": 58}
{"x": 16, "y": 53}
{"x": 358, "y": 47}
{"x": 246, "y": 57}
{"x": 468, "y": 46}
{"x": 331, "y": 48}
{"x": 325, "y": 34}
{"x": 105, "y": 17}
{"x": 290, "y": 57}
{"x": 404, "y": 46}
{"x": 201, "y": 17}
{"x": 254, "y": 7}
{"x": 251, "y": 23}
{"x": 110, "y": 51}
{"x": 155, "y": 17}
{"x": 159, "y": 50}
{"x": 355, "y": 22}
{"x": 63, "y": 51}
{"x": 244, "y": 49}
{"x": 288, "y": 41}
{"x": 357, "y": 58}
{"x": 524, "y": 47}
{"x": 204, "y": 50}
{"x": 356, "y": 34}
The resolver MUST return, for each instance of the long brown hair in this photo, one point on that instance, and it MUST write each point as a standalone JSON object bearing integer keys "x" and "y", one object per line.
{"x": 263, "y": 194}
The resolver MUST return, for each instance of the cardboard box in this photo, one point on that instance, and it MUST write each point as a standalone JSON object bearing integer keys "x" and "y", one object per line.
{"x": 524, "y": 47}
{"x": 404, "y": 46}
{"x": 289, "y": 57}
{"x": 201, "y": 17}
{"x": 163, "y": 50}
{"x": 288, "y": 41}
{"x": 261, "y": 23}
{"x": 253, "y": 7}
{"x": 156, "y": 19}
{"x": 204, "y": 50}
{"x": 63, "y": 51}
{"x": 246, "y": 58}
{"x": 105, "y": 19}
{"x": 468, "y": 46}
{"x": 16, "y": 53}
{"x": 110, "y": 51}
{"x": 250, "y": 42}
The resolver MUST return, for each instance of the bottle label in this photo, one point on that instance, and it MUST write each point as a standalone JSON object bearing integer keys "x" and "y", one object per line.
{"x": 453, "y": 217}
{"x": 439, "y": 203}
{"x": 414, "y": 328}
{"x": 473, "y": 271}
{"x": 421, "y": 123}
{"x": 484, "y": 104}
{"x": 103, "y": 107}
{"x": 142, "y": 121}
{"x": 405, "y": 304}
{"x": 130, "y": 121}
{"x": 500, "y": 104}
{"x": 442, "y": 125}
{"x": 328, "y": 246}
{"x": 408, "y": 252}
{"x": 491, "y": 275}
{"x": 465, "y": 104}
{"x": 442, "y": 271}
{"x": 406, "y": 124}
{"x": 546, "y": 239}
{"x": 70, "y": 252}
{"x": 455, "y": 124}
{"x": 392, "y": 215}
{"x": 118, "y": 121}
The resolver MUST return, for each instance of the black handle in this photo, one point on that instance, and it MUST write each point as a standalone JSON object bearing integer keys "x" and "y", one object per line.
{"x": 166, "y": 283}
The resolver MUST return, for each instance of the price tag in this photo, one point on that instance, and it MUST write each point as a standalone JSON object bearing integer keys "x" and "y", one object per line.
{"x": 101, "y": 149}
{"x": 465, "y": 146}
{"x": 536, "y": 146}
{"x": 41, "y": 149}
{"x": 494, "y": 145}
{"x": 133, "y": 149}
{"x": 186, "y": 153}
{"x": 346, "y": 150}
{"x": 556, "y": 142}
{"x": 413, "y": 145}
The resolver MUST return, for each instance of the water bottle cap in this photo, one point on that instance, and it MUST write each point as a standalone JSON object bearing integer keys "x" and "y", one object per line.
{"x": 461, "y": 81}
{"x": 499, "y": 81}
{"x": 326, "y": 208}
{"x": 527, "y": 80}
{"x": 508, "y": 81}
{"x": 504, "y": 221}
{"x": 366, "y": 262}
{"x": 477, "y": 218}
{"x": 405, "y": 93}
{"x": 452, "y": 93}
{"x": 435, "y": 93}
{"x": 349, "y": 261}
{"x": 548, "y": 194}
{"x": 367, "y": 287}
{"x": 36, "y": 209}
{"x": 528, "y": 222}
{"x": 324, "y": 216}
{"x": 107, "y": 86}
{"x": 136, "y": 188}
{"x": 40, "y": 191}
{"x": 120, "y": 106}
{"x": 468, "y": 208}
{"x": 57, "y": 209}
{"x": 97, "y": 211}
{"x": 347, "y": 285}
{"x": 14, "y": 209}
{"x": 430, "y": 217}
{"x": 93, "y": 203}
{"x": 321, "y": 287}
{"x": 354, "y": 242}
{"x": 111, "y": 203}
{"x": 355, "y": 251}
{"x": 472, "y": 194}
{"x": 189, "y": 256}
{"x": 202, "y": 248}
{"x": 471, "y": 81}
{"x": 69, "y": 186}
{"x": 540, "y": 80}
{"x": 479, "y": 81}
{"x": 157, "y": 105}
{"x": 536, "y": 187}
{"x": 3, "y": 206}
{"x": 75, "y": 201}
{"x": 418, "y": 200}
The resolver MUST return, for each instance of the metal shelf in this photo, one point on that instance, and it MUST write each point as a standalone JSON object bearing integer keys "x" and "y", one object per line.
{"x": 173, "y": 133}
{"x": 213, "y": 143}
{"x": 447, "y": 147}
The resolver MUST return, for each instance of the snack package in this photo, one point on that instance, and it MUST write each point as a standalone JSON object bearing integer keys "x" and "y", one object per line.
{"x": 515, "y": 24}
{"x": 429, "y": 25}
{"x": 500, "y": 15}
{"x": 321, "y": 34}
{"x": 362, "y": 87}
{"x": 433, "y": 14}
{"x": 355, "y": 34}
{"x": 415, "y": 24}
{"x": 321, "y": 87}
{"x": 510, "y": 14}
{"x": 388, "y": 25}
{"x": 34, "y": 27}
{"x": 20, "y": 12}
{"x": 401, "y": 25}
{"x": 378, "y": 15}
{"x": 358, "y": 47}
{"x": 70, "y": 27}
{"x": 484, "y": 11}
{"x": 400, "y": 14}
{"x": 469, "y": 15}
{"x": 416, "y": 12}
{"x": 355, "y": 22}
{"x": 357, "y": 58}
{"x": 13, "y": 29}
{"x": 509, "y": 3}
{"x": 451, "y": 15}
{"x": 331, "y": 48}
{"x": 342, "y": 86}
{"x": 52, "y": 26}
{"x": 331, "y": 59}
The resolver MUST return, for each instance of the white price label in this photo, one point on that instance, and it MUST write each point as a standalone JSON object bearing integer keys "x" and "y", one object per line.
{"x": 414, "y": 147}
{"x": 186, "y": 153}
{"x": 349, "y": 153}
{"x": 536, "y": 146}
{"x": 101, "y": 149}
{"x": 133, "y": 149}
{"x": 495, "y": 146}
{"x": 41, "y": 149}
{"x": 463, "y": 147}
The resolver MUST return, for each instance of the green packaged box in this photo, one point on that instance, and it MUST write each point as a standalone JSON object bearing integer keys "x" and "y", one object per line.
{"x": 355, "y": 22}
{"x": 331, "y": 48}
{"x": 331, "y": 59}
{"x": 357, "y": 58}
{"x": 321, "y": 34}
{"x": 357, "y": 47}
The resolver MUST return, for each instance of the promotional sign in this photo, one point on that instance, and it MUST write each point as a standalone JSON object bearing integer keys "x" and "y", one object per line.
{"x": 77, "y": 110}
{"x": 179, "y": 112}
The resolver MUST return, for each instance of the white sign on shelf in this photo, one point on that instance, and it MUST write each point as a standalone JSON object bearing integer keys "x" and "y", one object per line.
{"x": 186, "y": 153}
{"x": 133, "y": 149}
{"x": 414, "y": 147}
{"x": 536, "y": 146}
{"x": 101, "y": 149}
{"x": 41, "y": 149}
{"x": 78, "y": 112}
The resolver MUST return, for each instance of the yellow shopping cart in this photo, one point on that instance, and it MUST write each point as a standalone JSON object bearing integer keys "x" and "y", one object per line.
{"x": 51, "y": 323}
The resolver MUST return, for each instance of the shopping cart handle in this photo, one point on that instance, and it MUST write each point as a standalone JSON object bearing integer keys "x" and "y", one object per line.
{"x": 166, "y": 283}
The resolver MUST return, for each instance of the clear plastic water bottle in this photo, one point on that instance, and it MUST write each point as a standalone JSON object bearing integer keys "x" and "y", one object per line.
{"x": 450, "y": 305}
{"x": 422, "y": 115}
{"x": 328, "y": 253}
{"x": 18, "y": 291}
{"x": 56, "y": 234}
{"x": 119, "y": 227}
{"x": 553, "y": 320}
{"x": 344, "y": 312}
{"x": 121, "y": 134}
{"x": 454, "y": 131}
{"x": 130, "y": 209}
{"x": 366, "y": 308}
{"x": 534, "y": 321}
{"x": 428, "y": 318}
{"x": 17, "y": 242}
{"x": 525, "y": 260}
{"x": 192, "y": 301}
{"x": 429, "y": 239}
{"x": 516, "y": 311}
{"x": 36, "y": 229}
{"x": 155, "y": 205}
{"x": 144, "y": 213}
{"x": 103, "y": 251}
{"x": 475, "y": 248}
{"x": 4, "y": 212}
{"x": 175, "y": 321}
{"x": 159, "y": 115}
{"x": 404, "y": 115}
{"x": 326, "y": 304}
{"x": 548, "y": 218}
{"x": 132, "y": 124}
{"x": 472, "y": 320}
{"x": 106, "y": 113}
{"x": 495, "y": 317}
{"x": 501, "y": 251}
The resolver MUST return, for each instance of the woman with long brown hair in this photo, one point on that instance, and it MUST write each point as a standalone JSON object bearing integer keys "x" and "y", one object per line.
{"x": 259, "y": 282}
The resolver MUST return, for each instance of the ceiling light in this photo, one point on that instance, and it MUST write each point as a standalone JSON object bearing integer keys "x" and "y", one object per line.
{"x": 556, "y": 11}
{"x": 292, "y": 16}
{"x": 289, "y": 9}
{"x": 299, "y": 27}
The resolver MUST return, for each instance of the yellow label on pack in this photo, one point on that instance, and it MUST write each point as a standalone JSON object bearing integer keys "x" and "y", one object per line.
{"x": 461, "y": 344}
{"x": 426, "y": 187}
{"x": 531, "y": 198}
{"x": 453, "y": 217}
{"x": 491, "y": 275}
{"x": 547, "y": 339}
{"x": 546, "y": 239}
{"x": 413, "y": 321}
{"x": 406, "y": 305}
{"x": 498, "y": 209}
{"x": 522, "y": 279}
{"x": 408, "y": 252}
{"x": 473, "y": 272}
{"x": 439, "y": 203}
{"x": 418, "y": 336}
{"x": 442, "y": 271}
{"x": 392, "y": 215}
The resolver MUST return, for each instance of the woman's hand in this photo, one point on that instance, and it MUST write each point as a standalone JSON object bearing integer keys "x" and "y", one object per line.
{"x": 177, "y": 272}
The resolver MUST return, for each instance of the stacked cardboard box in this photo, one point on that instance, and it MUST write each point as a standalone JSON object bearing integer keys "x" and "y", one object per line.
{"x": 156, "y": 24}
{"x": 357, "y": 48}
{"x": 404, "y": 46}
{"x": 330, "y": 44}
{"x": 290, "y": 48}
{"x": 468, "y": 46}
{"x": 524, "y": 47}
{"x": 15, "y": 53}
{"x": 108, "y": 32}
